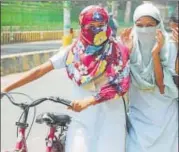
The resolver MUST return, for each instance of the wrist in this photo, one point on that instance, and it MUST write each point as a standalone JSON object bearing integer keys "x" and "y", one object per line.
{"x": 92, "y": 101}
{"x": 155, "y": 54}
{"x": 156, "y": 48}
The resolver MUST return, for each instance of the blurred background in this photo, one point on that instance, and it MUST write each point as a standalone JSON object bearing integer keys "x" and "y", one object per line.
{"x": 34, "y": 30}
{"x": 30, "y": 26}
{"x": 48, "y": 15}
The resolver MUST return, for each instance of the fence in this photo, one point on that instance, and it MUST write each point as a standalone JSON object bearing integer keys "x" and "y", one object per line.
{"x": 15, "y": 37}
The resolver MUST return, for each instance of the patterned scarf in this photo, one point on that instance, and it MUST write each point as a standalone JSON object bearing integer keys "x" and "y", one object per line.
{"x": 95, "y": 53}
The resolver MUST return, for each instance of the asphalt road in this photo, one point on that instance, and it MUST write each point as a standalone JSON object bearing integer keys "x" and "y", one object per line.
{"x": 55, "y": 83}
{"x": 30, "y": 47}
{"x": 8, "y": 49}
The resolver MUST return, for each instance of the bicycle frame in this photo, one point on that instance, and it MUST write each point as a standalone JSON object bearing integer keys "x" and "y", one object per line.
{"x": 50, "y": 139}
{"x": 52, "y": 144}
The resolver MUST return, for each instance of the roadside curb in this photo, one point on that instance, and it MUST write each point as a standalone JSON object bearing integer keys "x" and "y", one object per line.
{"x": 25, "y": 61}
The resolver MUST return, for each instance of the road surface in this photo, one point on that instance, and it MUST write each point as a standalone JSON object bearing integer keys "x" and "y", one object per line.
{"x": 29, "y": 47}
{"x": 54, "y": 83}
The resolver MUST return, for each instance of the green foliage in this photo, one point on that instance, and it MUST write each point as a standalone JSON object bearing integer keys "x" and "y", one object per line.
{"x": 23, "y": 16}
{"x": 40, "y": 14}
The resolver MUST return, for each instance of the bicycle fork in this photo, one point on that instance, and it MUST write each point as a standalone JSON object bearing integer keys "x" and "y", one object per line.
{"x": 21, "y": 141}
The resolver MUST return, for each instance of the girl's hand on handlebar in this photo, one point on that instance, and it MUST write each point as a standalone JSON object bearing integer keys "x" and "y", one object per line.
{"x": 79, "y": 105}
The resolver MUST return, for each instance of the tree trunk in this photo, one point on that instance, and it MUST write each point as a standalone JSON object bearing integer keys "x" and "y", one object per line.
{"x": 128, "y": 12}
{"x": 114, "y": 9}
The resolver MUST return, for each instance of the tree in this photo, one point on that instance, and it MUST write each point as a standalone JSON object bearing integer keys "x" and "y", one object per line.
{"x": 128, "y": 12}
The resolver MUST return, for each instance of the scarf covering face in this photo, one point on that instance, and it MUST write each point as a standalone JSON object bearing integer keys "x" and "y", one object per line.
{"x": 95, "y": 55}
{"x": 141, "y": 62}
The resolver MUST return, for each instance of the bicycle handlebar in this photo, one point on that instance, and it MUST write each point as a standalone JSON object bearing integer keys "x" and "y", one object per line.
{"x": 54, "y": 99}
{"x": 10, "y": 98}
{"x": 60, "y": 100}
{"x": 38, "y": 101}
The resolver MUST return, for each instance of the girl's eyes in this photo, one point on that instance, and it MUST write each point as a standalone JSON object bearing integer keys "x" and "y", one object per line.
{"x": 148, "y": 25}
{"x": 96, "y": 26}
{"x": 93, "y": 27}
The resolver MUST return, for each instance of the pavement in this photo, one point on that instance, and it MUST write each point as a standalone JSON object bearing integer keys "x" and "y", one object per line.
{"x": 16, "y": 48}
{"x": 50, "y": 84}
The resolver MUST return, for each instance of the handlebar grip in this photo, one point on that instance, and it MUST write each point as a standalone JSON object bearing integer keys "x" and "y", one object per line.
{"x": 65, "y": 102}
{"x": 61, "y": 101}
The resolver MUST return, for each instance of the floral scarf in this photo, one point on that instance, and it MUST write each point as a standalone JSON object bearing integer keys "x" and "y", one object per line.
{"x": 96, "y": 54}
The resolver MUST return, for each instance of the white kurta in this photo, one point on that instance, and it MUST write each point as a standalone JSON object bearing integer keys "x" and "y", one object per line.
{"x": 153, "y": 118}
{"x": 99, "y": 128}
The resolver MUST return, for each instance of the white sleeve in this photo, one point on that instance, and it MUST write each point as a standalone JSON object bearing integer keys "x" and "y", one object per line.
{"x": 59, "y": 59}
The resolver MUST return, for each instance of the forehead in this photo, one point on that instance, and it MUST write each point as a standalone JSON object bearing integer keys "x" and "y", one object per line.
{"x": 94, "y": 15}
{"x": 146, "y": 19}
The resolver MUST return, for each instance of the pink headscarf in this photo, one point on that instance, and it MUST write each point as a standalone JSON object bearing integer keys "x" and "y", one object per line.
{"x": 96, "y": 54}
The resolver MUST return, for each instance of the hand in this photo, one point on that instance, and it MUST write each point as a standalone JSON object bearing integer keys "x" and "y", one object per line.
{"x": 160, "y": 42}
{"x": 175, "y": 34}
{"x": 79, "y": 105}
{"x": 127, "y": 38}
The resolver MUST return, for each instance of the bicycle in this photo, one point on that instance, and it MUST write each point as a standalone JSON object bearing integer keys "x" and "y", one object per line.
{"x": 54, "y": 143}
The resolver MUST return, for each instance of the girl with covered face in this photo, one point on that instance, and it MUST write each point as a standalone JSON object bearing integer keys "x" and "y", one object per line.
{"x": 97, "y": 66}
{"x": 153, "y": 109}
